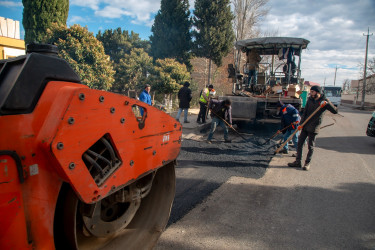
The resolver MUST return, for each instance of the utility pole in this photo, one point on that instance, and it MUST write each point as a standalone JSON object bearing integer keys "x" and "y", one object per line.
{"x": 364, "y": 72}
{"x": 334, "y": 82}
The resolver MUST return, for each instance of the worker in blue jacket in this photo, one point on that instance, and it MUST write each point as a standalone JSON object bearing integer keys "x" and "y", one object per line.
{"x": 145, "y": 97}
{"x": 290, "y": 119}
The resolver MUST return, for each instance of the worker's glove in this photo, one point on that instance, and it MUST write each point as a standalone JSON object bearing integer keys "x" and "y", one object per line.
{"x": 323, "y": 103}
{"x": 296, "y": 122}
{"x": 299, "y": 127}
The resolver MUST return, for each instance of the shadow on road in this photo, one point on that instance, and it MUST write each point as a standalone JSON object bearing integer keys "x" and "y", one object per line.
{"x": 230, "y": 164}
{"x": 356, "y": 110}
{"x": 348, "y": 144}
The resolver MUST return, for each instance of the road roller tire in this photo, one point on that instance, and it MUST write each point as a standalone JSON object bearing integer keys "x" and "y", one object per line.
{"x": 72, "y": 231}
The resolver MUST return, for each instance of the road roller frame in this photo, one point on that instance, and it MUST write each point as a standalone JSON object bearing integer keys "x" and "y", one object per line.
{"x": 65, "y": 148}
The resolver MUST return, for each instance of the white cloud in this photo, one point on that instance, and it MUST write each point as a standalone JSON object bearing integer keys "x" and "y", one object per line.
{"x": 191, "y": 4}
{"x": 78, "y": 19}
{"x": 10, "y": 4}
{"x": 113, "y": 12}
{"x": 319, "y": 66}
{"x": 92, "y": 4}
{"x": 340, "y": 21}
{"x": 140, "y": 11}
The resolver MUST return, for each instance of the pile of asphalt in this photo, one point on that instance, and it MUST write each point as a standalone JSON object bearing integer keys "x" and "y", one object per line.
{"x": 247, "y": 158}
{"x": 211, "y": 165}
{"x": 248, "y": 154}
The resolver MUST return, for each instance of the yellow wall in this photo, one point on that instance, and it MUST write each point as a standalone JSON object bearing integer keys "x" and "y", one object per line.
{"x": 11, "y": 43}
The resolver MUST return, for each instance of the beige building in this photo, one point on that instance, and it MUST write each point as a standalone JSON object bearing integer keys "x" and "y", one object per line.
{"x": 370, "y": 84}
{"x": 10, "y": 43}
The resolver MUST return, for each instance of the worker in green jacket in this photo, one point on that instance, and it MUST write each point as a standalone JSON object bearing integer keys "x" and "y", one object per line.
{"x": 203, "y": 103}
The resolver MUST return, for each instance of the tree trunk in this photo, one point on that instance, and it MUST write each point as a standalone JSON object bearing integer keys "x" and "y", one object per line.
{"x": 209, "y": 71}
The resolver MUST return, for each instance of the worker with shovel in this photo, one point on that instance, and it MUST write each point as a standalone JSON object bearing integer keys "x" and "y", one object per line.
{"x": 221, "y": 113}
{"x": 311, "y": 119}
{"x": 289, "y": 122}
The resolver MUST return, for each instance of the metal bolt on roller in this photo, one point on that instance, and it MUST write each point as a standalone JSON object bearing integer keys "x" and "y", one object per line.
{"x": 82, "y": 96}
{"x": 60, "y": 145}
{"x": 72, "y": 165}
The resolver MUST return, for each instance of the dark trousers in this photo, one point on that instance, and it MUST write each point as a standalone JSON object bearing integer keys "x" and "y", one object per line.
{"x": 311, "y": 143}
{"x": 202, "y": 112}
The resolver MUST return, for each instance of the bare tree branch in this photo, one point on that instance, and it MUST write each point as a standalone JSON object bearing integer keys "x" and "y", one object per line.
{"x": 248, "y": 14}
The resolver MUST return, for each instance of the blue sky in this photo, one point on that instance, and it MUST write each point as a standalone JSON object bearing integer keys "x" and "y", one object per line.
{"x": 136, "y": 15}
{"x": 335, "y": 28}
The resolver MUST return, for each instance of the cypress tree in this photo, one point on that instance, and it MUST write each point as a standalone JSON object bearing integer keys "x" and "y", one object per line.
{"x": 171, "y": 37}
{"x": 214, "y": 34}
{"x": 38, "y": 15}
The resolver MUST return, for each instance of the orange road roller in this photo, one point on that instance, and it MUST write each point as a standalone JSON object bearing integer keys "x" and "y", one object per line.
{"x": 80, "y": 168}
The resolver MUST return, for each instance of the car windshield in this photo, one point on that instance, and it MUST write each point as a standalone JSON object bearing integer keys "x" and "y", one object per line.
{"x": 332, "y": 92}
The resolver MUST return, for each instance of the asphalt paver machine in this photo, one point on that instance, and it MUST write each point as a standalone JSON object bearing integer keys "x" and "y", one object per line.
{"x": 251, "y": 100}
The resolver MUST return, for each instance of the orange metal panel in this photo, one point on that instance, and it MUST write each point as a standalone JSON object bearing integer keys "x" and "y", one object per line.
{"x": 140, "y": 149}
{"x": 27, "y": 135}
{"x": 13, "y": 224}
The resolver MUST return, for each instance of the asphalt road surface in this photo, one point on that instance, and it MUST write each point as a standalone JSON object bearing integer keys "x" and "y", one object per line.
{"x": 255, "y": 203}
{"x": 203, "y": 167}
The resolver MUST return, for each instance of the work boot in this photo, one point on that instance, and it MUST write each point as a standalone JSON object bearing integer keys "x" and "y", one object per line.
{"x": 208, "y": 142}
{"x": 227, "y": 141}
{"x": 295, "y": 164}
{"x": 306, "y": 166}
{"x": 186, "y": 122}
{"x": 199, "y": 122}
{"x": 283, "y": 151}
